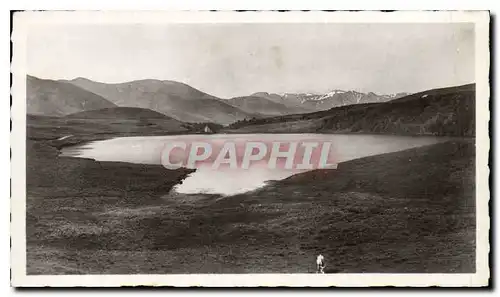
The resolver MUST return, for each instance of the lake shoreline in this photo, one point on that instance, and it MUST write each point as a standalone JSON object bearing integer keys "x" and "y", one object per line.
{"x": 113, "y": 244}
{"x": 86, "y": 216}
{"x": 151, "y": 150}
{"x": 80, "y": 139}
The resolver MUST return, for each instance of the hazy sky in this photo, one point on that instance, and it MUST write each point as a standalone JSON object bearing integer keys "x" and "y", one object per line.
{"x": 228, "y": 60}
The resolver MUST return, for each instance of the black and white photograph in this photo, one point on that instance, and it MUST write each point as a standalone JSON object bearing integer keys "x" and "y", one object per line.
{"x": 250, "y": 148}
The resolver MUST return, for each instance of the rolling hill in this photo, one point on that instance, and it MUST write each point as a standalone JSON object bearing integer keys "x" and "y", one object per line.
{"x": 335, "y": 98}
{"x": 101, "y": 124}
{"x": 171, "y": 98}
{"x": 269, "y": 96}
{"x": 56, "y": 98}
{"x": 445, "y": 111}
{"x": 264, "y": 106}
{"x": 133, "y": 113}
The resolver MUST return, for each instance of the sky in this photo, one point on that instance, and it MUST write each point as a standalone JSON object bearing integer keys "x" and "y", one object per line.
{"x": 228, "y": 60}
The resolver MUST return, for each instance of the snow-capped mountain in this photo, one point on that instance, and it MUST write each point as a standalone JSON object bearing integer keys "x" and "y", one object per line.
{"x": 328, "y": 100}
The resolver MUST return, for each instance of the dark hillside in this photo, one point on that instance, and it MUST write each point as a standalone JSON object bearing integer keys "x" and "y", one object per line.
{"x": 447, "y": 111}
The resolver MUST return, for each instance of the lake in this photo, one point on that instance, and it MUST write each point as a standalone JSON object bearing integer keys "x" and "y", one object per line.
{"x": 229, "y": 181}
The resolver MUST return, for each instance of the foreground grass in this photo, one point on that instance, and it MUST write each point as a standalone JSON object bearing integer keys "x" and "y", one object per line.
{"x": 410, "y": 211}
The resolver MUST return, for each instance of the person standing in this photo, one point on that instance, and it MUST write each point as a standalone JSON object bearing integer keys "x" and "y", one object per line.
{"x": 320, "y": 264}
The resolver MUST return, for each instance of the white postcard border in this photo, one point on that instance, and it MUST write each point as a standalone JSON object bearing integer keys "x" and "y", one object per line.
{"x": 22, "y": 22}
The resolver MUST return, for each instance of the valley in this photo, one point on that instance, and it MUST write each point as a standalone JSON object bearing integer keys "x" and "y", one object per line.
{"x": 368, "y": 215}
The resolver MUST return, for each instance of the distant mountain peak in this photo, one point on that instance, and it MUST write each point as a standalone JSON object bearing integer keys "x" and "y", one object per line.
{"x": 59, "y": 98}
{"x": 174, "y": 99}
{"x": 385, "y": 114}
{"x": 333, "y": 98}
{"x": 80, "y": 78}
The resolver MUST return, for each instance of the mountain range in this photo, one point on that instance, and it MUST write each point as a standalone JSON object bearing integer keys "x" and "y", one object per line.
{"x": 56, "y": 98}
{"x": 445, "y": 111}
{"x": 265, "y": 106}
{"x": 171, "y": 98}
{"x": 328, "y": 100}
{"x": 178, "y": 101}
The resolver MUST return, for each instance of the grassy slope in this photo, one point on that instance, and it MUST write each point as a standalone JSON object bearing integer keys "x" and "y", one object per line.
{"x": 412, "y": 211}
{"x": 41, "y": 128}
{"x": 171, "y": 98}
{"x": 56, "y": 98}
{"x": 447, "y": 111}
{"x": 102, "y": 217}
{"x": 119, "y": 113}
{"x": 62, "y": 191}
{"x": 260, "y": 105}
